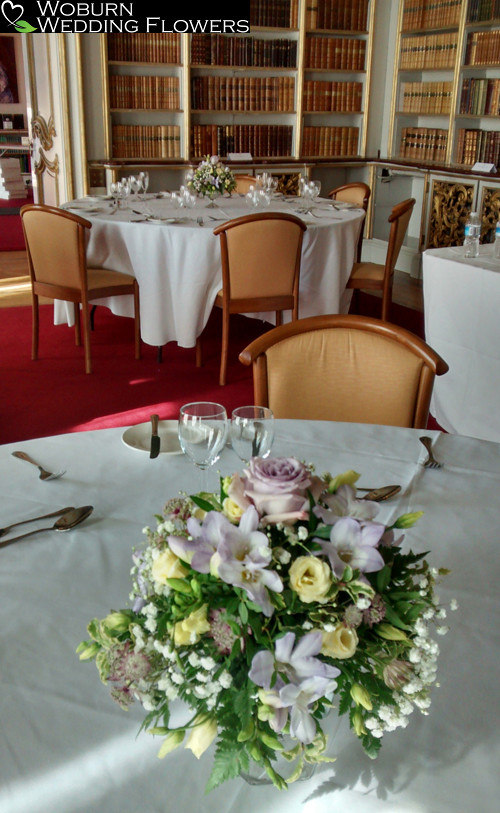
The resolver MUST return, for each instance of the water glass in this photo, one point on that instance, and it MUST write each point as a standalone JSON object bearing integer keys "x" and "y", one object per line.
{"x": 144, "y": 176}
{"x": 203, "y": 428}
{"x": 252, "y": 431}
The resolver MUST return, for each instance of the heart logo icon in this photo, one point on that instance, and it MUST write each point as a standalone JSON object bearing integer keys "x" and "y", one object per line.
{"x": 9, "y": 11}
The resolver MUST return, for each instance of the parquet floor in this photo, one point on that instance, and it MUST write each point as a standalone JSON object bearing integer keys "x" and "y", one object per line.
{"x": 15, "y": 286}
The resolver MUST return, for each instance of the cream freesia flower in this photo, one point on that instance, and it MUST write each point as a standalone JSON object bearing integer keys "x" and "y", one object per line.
{"x": 340, "y": 642}
{"x": 202, "y": 735}
{"x": 188, "y": 630}
{"x": 167, "y": 566}
{"x": 311, "y": 578}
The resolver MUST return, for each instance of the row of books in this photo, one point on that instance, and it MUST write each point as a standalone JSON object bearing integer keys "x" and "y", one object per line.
{"x": 163, "y": 48}
{"x": 11, "y": 121}
{"x": 332, "y": 97}
{"x": 423, "y": 144}
{"x": 483, "y": 48}
{"x": 243, "y": 93}
{"x": 144, "y": 92}
{"x": 260, "y": 140}
{"x": 146, "y": 141}
{"x": 335, "y": 53}
{"x": 274, "y": 13}
{"x": 330, "y": 142}
{"x": 423, "y": 14}
{"x": 426, "y": 97}
{"x": 482, "y": 10}
{"x": 224, "y": 49}
{"x": 428, "y": 51}
{"x": 11, "y": 182}
{"x": 480, "y": 97}
{"x": 478, "y": 145}
{"x": 337, "y": 15}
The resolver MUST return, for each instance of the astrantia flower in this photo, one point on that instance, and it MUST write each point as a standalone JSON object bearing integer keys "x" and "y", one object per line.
{"x": 375, "y": 613}
{"x": 221, "y": 632}
{"x": 353, "y": 544}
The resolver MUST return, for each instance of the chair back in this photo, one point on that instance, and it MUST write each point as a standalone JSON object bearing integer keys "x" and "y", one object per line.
{"x": 261, "y": 255}
{"x": 399, "y": 220}
{"x": 244, "y": 182}
{"x": 358, "y": 193}
{"x": 344, "y": 368}
{"x": 55, "y": 242}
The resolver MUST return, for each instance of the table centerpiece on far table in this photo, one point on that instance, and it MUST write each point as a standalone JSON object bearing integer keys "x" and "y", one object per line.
{"x": 211, "y": 178}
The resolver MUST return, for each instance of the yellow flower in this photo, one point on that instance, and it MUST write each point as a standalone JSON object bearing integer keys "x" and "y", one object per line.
{"x": 347, "y": 478}
{"x": 167, "y": 566}
{"x": 202, "y": 735}
{"x": 232, "y": 510}
{"x": 310, "y": 578}
{"x": 340, "y": 642}
{"x": 361, "y": 696}
{"x": 189, "y": 630}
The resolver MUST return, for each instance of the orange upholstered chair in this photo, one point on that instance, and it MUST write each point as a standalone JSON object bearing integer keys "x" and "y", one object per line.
{"x": 56, "y": 247}
{"x": 344, "y": 368}
{"x": 244, "y": 182}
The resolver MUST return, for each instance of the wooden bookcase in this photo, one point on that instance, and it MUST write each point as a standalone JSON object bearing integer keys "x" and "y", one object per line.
{"x": 446, "y": 91}
{"x": 293, "y": 88}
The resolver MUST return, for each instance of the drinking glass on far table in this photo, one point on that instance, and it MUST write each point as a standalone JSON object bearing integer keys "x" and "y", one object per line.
{"x": 203, "y": 427}
{"x": 252, "y": 431}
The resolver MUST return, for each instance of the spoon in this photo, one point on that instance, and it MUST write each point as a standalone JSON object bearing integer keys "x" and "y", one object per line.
{"x": 380, "y": 494}
{"x": 6, "y": 530}
{"x": 44, "y": 475}
{"x": 64, "y": 523}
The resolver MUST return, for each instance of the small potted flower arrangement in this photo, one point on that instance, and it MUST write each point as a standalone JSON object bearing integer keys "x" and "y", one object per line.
{"x": 211, "y": 178}
{"x": 265, "y": 607}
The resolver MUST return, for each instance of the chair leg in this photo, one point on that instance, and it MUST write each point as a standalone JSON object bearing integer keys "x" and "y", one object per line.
{"x": 92, "y": 316}
{"x": 78, "y": 331}
{"x": 225, "y": 348}
{"x": 159, "y": 354}
{"x": 279, "y": 318}
{"x": 199, "y": 355}
{"x": 35, "y": 328}
{"x": 137, "y": 322}
{"x": 86, "y": 339}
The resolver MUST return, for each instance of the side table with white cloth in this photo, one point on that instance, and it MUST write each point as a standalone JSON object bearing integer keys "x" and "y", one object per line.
{"x": 65, "y": 747}
{"x": 462, "y": 313}
{"x": 176, "y": 260}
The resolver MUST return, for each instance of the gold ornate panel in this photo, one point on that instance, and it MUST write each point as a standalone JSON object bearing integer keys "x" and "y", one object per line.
{"x": 450, "y": 203}
{"x": 288, "y": 183}
{"x": 490, "y": 213}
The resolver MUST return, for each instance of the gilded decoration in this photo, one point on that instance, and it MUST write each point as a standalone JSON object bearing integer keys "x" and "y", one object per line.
{"x": 450, "y": 205}
{"x": 288, "y": 183}
{"x": 490, "y": 213}
{"x": 44, "y": 130}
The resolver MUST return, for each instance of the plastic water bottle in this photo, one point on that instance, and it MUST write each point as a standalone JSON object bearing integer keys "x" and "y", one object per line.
{"x": 472, "y": 235}
{"x": 496, "y": 248}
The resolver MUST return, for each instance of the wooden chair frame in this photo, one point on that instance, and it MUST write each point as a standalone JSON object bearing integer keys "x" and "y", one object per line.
{"x": 246, "y": 181}
{"x": 78, "y": 296}
{"x": 255, "y": 304}
{"x": 385, "y": 282}
{"x": 343, "y": 193}
{"x": 255, "y": 354}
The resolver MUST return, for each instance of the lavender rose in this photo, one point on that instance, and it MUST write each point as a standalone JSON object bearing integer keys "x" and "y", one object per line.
{"x": 278, "y": 488}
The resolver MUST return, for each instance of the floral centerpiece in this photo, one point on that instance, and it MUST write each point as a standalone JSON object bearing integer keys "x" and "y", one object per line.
{"x": 211, "y": 178}
{"x": 263, "y": 607}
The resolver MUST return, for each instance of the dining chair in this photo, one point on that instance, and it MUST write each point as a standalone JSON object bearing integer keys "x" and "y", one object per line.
{"x": 344, "y": 368}
{"x": 359, "y": 194}
{"x": 56, "y": 243}
{"x": 260, "y": 256}
{"x": 244, "y": 182}
{"x": 376, "y": 277}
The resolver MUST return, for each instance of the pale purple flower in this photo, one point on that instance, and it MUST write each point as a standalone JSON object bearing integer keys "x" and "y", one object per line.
{"x": 295, "y": 663}
{"x": 353, "y": 543}
{"x": 205, "y": 541}
{"x": 345, "y": 504}
{"x": 298, "y": 699}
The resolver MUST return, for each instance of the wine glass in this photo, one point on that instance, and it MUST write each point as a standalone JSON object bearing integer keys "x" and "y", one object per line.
{"x": 252, "y": 431}
{"x": 203, "y": 428}
{"x": 315, "y": 187}
{"x": 135, "y": 186}
{"x": 144, "y": 176}
{"x": 114, "y": 191}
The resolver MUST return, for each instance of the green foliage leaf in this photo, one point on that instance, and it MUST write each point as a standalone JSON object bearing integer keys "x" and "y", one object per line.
{"x": 383, "y": 578}
{"x": 229, "y": 761}
{"x": 23, "y": 27}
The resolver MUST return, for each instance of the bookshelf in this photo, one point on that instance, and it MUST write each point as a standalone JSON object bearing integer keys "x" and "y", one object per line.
{"x": 11, "y": 146}
{"x": 446, "y": 91}
{"x": 293, "y": 89}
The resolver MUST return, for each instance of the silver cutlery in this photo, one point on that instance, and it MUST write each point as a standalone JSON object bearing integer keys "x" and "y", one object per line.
{"x": 430, "y": 462}
{"x": 66, "y": 522}
{"x": 3, "y": 531}
{"x": 44, "y": 474}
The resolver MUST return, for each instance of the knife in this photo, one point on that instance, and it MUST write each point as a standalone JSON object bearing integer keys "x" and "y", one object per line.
{"x": 155, "y": 438}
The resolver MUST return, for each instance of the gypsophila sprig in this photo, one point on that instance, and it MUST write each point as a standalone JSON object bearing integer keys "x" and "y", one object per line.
{"x": 212, "y": 178}
{"x": 264, "y": 605}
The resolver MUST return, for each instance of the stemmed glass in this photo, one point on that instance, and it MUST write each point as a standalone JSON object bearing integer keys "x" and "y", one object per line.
{"x": 135, "y": 186}
{"x": 252, "y": 431}
{"x": 114, "y": 191}
{"x": 144, "y": 176}
{"x": 203, "y": 428}
{"x": 124, "y": 191}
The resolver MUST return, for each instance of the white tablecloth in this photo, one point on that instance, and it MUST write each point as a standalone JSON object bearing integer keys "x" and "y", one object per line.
{"x": 462, "y": 312}
{"x": 178, "y": 268}
{"x": 65, "y": 747}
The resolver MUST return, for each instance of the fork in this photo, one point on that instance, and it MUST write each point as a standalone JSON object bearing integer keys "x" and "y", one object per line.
{"x": 430, "y": 462}
{"x": 44, "y": 475}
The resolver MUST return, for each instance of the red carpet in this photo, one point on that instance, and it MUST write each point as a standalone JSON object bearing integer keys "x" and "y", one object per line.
{"x": 54, "y": 395}
{"x": 11, "y": 231}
